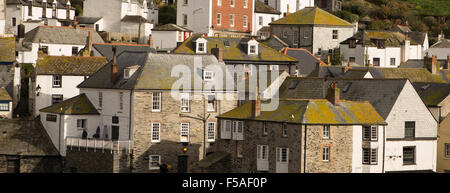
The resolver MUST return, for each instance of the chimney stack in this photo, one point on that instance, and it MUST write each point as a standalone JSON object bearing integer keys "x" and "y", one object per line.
{"x": 218, "y": 52}
{"x": 256, "y": 105}
{"x": 333, "y": 93}
{"x": 150, "y": 41}
{"x": 88, "y": 50}
{"x": 114, "y": 67}
{"x": 405, "y": 49}
{"x": 21, "y": 30}
{"x": 432, "y": 64}
{"x": 329, "y": 60}
{"x": 441, "y": 36}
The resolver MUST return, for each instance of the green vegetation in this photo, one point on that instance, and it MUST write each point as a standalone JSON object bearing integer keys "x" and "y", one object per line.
{"x": 167, "y": 14}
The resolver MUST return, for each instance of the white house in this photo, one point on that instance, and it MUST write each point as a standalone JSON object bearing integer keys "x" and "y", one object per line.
{"x": 34, "y": 13}
{"x": 288, "y": 6}
{"x": 55, "y": 41}
{"x": 440, "y": 49}
{"x": 169, "y": 36}
{"x": 264, "y": 14}
{"x": 380, "y": 48}
{"x": 91, "y": 22}
{"x": 57, "y": 78}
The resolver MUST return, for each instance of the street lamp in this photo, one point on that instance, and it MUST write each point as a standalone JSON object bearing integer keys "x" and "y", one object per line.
{"x": 38, "y": 90}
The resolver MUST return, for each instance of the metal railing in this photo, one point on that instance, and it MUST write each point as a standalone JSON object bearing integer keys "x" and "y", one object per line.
{"x": 98, "y": 144}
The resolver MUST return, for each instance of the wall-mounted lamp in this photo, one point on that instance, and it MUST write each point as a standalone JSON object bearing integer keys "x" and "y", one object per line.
{"x": 38, "y": 90}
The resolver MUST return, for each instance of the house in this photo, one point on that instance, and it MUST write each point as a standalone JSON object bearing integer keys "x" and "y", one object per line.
{"x": 264, "y": 14}
{"x": 238, "y": 51}
{"x": 441, "y": 48}
{"x": 419, "y": 37}
{"x": 275, "y": 43}
{"x": 25, "y": 147}
{"x": 105, "y": 49}
{"x": 169, "y": 36}
{"x": 131, "y": 20}
{"x": 288, "y": 6}
{"x": 440, "y": 68}
{"x": 411, "y": 131}
{"x": 10, "y": 70}
{"x": 379, "y": 48}
{"x": 307, "y": 62}
{"x": 329, "y": 5}
{"x": 2, "y": 16}
{"x": 91, "y": 22}
{"x": 55, "y": 41}
{"x": 443, "y": 146}
{"x": 304, "y": 136}
{"x": 436, "y": 97}
{"x": 313, "y": 29}
{"x": 217, "y": 17}
{"x": 35, "y": 13}
{"x": 6, "y": 106}
{"x": 56, "y": 79}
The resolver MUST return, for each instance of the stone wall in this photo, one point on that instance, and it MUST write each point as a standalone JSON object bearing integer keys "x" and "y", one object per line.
{"x": 32, "y": 164}
{"x": 88, "y": 161}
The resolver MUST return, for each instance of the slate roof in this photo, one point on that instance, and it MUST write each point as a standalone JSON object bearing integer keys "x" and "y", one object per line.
{"x": 432, "y": 93}
{"x": 311, "y": 16}
{"x": 4, "y": 95}
{"x": 7, "y": 77}
{"x": 78, "y": 105}
{"x": 134, "y": 19}
{"x": 7, "y": 49}
{"x": 413, "y": 74}
{"x": 418, "y": 37}
{"x": 392, "y": 39}
{"x": 275, "y": 42}
{"x": 402, "y": 28}
{"x": 105, "y": 49}
{"x": 419, "y": 63}
{"x": 312, "y": 112}
{"x": 61, "y": 35}
{"x": 381, "y": 93}
{"x": 441, "y": 44}
{"x": 69, "y": 65}
{"x": 60, "y": 5}
{"x": 171, "y": 27}
{"x": 261, "y": 7}
{"x": 87, "y": 20}
{"x": 235, "y": 52}
{"x": 306, "y": 61}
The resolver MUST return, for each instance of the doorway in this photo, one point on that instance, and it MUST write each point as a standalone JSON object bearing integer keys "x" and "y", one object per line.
{"x": 182, "y": 163}
{"x": 114, "y": 133}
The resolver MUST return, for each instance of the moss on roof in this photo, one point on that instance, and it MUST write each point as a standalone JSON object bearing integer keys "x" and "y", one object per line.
{"x": 317, "y": 111}
{"x": 261, "y": 7}
{"x": 432, "y": 94}
{"x": 7, "y": 49}
{"x": 69, "y": 65}
{"x": 235, "y": 51}
{"x": 413, "y": 74}
{"x": 4, "y": 95}
{"x": 78, "y": 105}
{"x": 311, "y": 16}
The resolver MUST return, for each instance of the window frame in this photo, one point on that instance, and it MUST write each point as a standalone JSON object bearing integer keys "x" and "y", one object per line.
{"x": 447, "y": 150}
{"x": 284, "y": 130}
{"x": 185, "y": 102}
{"x": 232, "y": 3}
{"x": 51, "y": 118}
{"x": 83, "y": 124}
{"x": 56, "y": 78}
{"x": 245, "y": 21}
{"x": 153, "y": 134}
{"x": 265, "y": 129}
{"x": 231, "y": 20}
{"x": 413, "y": 131}
{"x": 159, "y": 95}
{"x": 326, "y": 154}
{"x": 326, "y": 132}
{"x": 57, "y": 95}
{"x": 184, "y": 132}
{"x": 150, "y": 160}
{"x": 211, "y": 135}
{"x": 213, "y": 103}
{"x": 219, "y": 19}
{"x": 100, "y": 100}
{"x": 414, "y": 155}
{"x": 121, "y": 100}
{"x": 335, "y": 34}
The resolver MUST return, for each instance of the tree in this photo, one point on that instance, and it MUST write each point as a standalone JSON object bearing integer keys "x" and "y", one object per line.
{"x": 167, "y": 14}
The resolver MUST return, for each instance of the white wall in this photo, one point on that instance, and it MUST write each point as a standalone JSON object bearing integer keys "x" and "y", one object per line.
{"x": 199, "y": 15}
{"x": 426, "y": 127}
{"x": 358, "y": 144}
{"x": 281, "y": 5}
{"x": 53, "y": 50}
{"x": 165, "y": 39}
{"x": 267, "y": 18}
{"x": 322, "y": 38}
{"x": 55, "y": 130}
{"x": 441, "y": 53}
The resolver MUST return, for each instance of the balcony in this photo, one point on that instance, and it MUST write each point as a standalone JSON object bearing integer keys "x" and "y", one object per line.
{"x": 98, "y": 144}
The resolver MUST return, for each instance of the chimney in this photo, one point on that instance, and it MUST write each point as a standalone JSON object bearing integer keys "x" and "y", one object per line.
{"x": 150, "y": 41}
{"x": 348, "y": 67}
{"x": 369, "y": 63}
{"x": 89, "y": 44}
{"x": 441, "y": 36}
{"x": 21, "y": 30}
{"x": 256, "y": 105}
{"x": 329, "y": 60}
{"x": 218, "y": 52}
{"x": 405, "y": 49}
{"x": 432, "y": 64}
{"x": 114, "y": 67}
{"x": 333, "y": 93}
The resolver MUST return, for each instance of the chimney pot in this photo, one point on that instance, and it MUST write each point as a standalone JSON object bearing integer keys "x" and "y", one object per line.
{"x": 218, "y": 53}
{"x": 114, "y": 67}
{"x": 333, "y": 93}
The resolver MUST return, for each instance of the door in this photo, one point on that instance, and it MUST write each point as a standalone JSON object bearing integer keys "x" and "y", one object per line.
{"x": 182, "y": 164}
{"x": 282, "y": 165}
{"x": 115, "y": 132}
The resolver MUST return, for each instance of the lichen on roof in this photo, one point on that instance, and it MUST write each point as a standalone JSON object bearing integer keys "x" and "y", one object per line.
{"x": 432, "y": 94}
{"x": 69, "y": 65}
{"x": 413, "y": 74}
{"x": 78, "y": 105}
{"x": 311, "y": 16}
{"x": 7, "y": 49}
{"x": 4, "y": 95}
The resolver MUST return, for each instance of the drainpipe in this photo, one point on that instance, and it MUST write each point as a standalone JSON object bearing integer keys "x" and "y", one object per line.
{"x": 129, "y": 131}
{"x": 304, "y": 151}
{"x": 384, "y": 147}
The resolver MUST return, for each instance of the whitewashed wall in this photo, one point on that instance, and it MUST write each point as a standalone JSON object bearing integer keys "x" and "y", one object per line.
{"x": 165, "y": 39}
{"x": 441, "y": 53}
{"x": 281, "y": 5}
{"x": 55, "y": 130}
{"x": 199, "y": 15}
{"x": 322, "y": 37}
{"x": 267, "y": 18}
{"x": 53, "y": 50}
{"x": 357, "y": 157}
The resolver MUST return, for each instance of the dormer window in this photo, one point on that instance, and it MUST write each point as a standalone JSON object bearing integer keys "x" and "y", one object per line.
{"x": 252, "y": 46}
{"x": 208, "y": 75}
{"x": 201, "y": 45}
{"x": 252, "y": 49}
{"x": 128, "y": 72}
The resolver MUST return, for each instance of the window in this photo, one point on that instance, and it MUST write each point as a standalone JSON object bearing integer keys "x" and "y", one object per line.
{"x": 219, "y": 19}
{"x": 262, "y": 152}
{"x": 319, "y": 51}
{"x": 13, "y": 166}
{"x": 305, "y": 34}
{"x": 51, "y": 118}
{"x": 335, "y": 34}
{"x": 126, "y": 73}
{"x": 180, "y": 36}
{"x": 392, "y": 61}
{"x": 121, "y": 100}
{"x": 285, "y": 33}
{"x": 284, "y": 130}
{"x": 261, "y": 20}
{"x": 376, "y": 61}
{"x": 410, "y": 129}
{"x": 115, "y": 120}
{"x": 326, "y": 154}
{"x": 156, "y": 102}
{"x": 409, "y": 157}
{"x": 231, "y": 20}
{"x": 326, "y": 132}
{"x": 211, "y": 131}
{"x": 226, "y": 129}
{"x": 44, "y": 49}
{"x": 330, "y": 51}
{"x": 13, "y": 22}
{"x": 370, "y": 133}
{"x": 30, "y": 10}
{"x": 238, "y": 130}
{"x": 219, "y": 2}
{"x": 266, "y": 2}
{"x": 231, "y": 3}
{"x": 184, "y": 102}
{"x": 265, "y": 128}
{"x": 239, "y": 149}
{"x": 57, "y": 98}
{"x": 245, "y": 3}
{"x": 154, "y": 162}
{"x": 185, "y": 19}
{"x": 100, "y": 99}
{"x": 211, "y": 106}
{"x": 201, "y": 47}
{"x": 447, "y": 150}
{"x": 57, "y": 81}
{"x": 185, "y": 2}
{"x": 156, "y": 129}
{"x": 380, "y": 44}
{"x": 184, "y": 133}
{"x": 208, "y": 75}
{"x": 283, "y": 155}
{"x": 352, "y": 59}
{"x": 245, "y": 21}
{"x": 252, "y": 49}
{"x": 370, "y": 156}
{"x": 81, "y": 123}
{"x": 352, "y": 44}
{"x": 74, "y": 51}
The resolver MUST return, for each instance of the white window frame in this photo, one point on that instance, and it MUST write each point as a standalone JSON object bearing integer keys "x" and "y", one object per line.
{"x": 4, "y": 106}
{"x": 58, "y": 80}
{"x": 81, "y": 124}
{"x": 219, "y": 2}
{"x": 239, "y": 149}
{"x": 280, "y": 155}
{"x": 201, "y": 47}
{"x": 184, "y": 132}
{"x": 252, "y": 49}
{"x": 238, "y": 130}
{"x": 211, "y": 131}
{"x": 208, "y": 75}
{"x": 284, "y": 129}
{"x": 151, "y": 160}
{"x": 126, "y": 73}
{"x": 219, "y": 19}
{"x": 265, "y": 128}
{"x": 245, "y": 22}
{"x": 232, "y": 3}
{"x": 159, "y": 95}
{"x": 262, "y": 161}
{"x": 231, "y": 20}
{"x": 326, "y": 131}
{"x": 373, "y": 133}
{"x": 227, "y": 127}
{"x": 370, "y": 156}
{"x": 245, "y": 4}
{"x": 326, "y": 154}
{"x": 335, "y": 36}
{"x": 158, "y": 134}
{"x": 185, "y": 102}
{"x": 121, "y": 100}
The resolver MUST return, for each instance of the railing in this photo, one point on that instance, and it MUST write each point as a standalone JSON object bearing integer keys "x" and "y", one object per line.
{"x": 98, "y": 144}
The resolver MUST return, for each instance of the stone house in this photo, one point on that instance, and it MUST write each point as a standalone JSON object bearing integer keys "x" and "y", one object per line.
{"x": 411, "y": 131}
{"x": 443, "y": 146}
{"x": 307, "y": 62}
{"x": 313, "y": 29}
{"x": 34, "y": 13}
{"x": 304, "y": 136}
